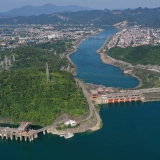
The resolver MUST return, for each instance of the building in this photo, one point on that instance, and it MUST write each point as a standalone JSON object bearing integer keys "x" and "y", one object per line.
{"x": 70, "y": 122}
{"x": 104, "y": 97}
{"x": 23, "y": 127}
{"x": 53, "y": 36}
{"x": 94, "y": 94}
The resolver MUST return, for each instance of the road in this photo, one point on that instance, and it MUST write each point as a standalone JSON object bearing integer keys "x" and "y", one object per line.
{"x": 92, "y": 111}
{"x": 92, "y": 108}
{"x": 150, "y": 90}
{"x": 151, "y": 36}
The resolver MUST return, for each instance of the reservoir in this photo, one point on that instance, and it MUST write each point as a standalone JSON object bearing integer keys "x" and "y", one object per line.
{"x": 130, "y": 130}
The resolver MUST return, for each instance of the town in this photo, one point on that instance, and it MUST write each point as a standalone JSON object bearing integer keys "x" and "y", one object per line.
{"x": 12, "y": 36}
{"x": 135, "y": 36}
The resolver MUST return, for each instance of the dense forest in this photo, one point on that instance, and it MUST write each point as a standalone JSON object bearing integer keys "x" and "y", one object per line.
{"x": 25, "y": 96}
{"x": 137, "y": 55}
{"x": 60, "y": 46}
{"x": 142, "y": 16}
{"x": 37, "y": 55}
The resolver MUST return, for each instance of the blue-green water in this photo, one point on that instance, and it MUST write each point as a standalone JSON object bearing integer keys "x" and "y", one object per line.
{"x": 91, "y": 69}
{"x": 130, "y": 131}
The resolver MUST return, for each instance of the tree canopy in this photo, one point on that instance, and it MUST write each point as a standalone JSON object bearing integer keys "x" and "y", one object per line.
{"x": 137, "y": 55}
{"x": 26, "y": 96}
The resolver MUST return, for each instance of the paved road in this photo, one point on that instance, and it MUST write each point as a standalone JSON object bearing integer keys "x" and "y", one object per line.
{"x": 151, "y": 36}
{"x": 92, "y": 108}
{"x": 149, "y": 90}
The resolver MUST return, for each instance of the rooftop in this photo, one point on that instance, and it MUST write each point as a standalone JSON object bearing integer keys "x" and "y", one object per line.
{"x": 23, "y": 126}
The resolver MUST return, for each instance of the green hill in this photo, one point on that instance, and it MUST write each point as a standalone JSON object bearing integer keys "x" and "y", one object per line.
{"x": 34, "y": 57}
{"x": 25, "y": 96}
{"x": 137, "y": 55}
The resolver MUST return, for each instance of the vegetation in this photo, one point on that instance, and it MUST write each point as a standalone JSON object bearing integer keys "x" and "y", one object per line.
{"x": 137, "y": 55}
{"x": 59, "y": 46}
{"x": 62, "y": 126}
{"x": 25, "y": 96}
{"x": 32, "y": 57}
{"x": 149, "y": 79}
{"x": 142, "y": 16}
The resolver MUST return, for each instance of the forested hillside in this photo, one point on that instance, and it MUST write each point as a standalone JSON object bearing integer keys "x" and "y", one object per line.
{"x": 36, "y": 56}
{"x": 137, "y": 55}
{"x": 25, "y": 96}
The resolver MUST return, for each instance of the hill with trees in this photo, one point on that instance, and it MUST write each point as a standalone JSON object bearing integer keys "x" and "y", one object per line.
{"x": 25, "y": 95}
{"x": 137, "y": 55}
{"x": 35, "y": 56}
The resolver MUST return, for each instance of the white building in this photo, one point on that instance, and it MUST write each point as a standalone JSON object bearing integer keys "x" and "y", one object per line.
{"x": 53, "y": 36}
{"x": 70, "y": 122}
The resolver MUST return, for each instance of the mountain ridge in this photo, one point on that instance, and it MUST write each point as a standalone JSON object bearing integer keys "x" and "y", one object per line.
{"x": 140, "y": 16}
{"x": 45, "y": 9}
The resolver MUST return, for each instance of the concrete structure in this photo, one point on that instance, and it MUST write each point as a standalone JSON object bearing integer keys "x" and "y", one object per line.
{"x": 23, "y": 127}
{"x": 127, "y": 71}
{"x": 70, "y": 122}
{"x": 102, "y": 97}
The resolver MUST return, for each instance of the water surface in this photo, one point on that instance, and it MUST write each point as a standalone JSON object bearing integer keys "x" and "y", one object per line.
{"x": 91, "y": 69}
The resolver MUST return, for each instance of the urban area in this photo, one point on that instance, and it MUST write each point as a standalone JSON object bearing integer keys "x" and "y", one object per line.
{"x": 135, "y": 36}
{"x": 12, "y": 36}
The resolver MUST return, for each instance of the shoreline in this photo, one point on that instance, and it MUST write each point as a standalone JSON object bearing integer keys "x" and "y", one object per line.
{"x": 111, "y": 61}
{"x": 75, "y": 49}
{"x": 94, "y": 126}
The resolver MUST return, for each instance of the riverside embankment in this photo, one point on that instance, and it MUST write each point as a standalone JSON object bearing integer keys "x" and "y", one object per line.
{"x": 75, "y": 47}
{"x": 120, "y": 64}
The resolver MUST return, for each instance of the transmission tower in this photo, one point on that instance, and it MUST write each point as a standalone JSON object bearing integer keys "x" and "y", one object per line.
{"x": 13, "y": 57}
{"x": 6, "y": 61}
{"x": 2, "y": 64}
{"x": 9, "y": 62}
{"x": 47, "y": 73}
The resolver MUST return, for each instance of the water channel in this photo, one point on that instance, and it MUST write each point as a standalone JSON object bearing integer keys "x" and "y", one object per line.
{"x": 130, "y": 130}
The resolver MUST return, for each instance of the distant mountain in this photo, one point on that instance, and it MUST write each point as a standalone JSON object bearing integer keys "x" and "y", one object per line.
{"x": 45, "y": 9}
{"x": 139, "y": 16}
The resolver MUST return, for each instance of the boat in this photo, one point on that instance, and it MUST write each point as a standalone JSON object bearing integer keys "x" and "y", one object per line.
{"x": 62, "y": 135}
{"x": 68, "y": 135}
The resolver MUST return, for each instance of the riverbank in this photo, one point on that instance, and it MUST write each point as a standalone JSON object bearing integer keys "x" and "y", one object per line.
{"x": 71, "y": 52}
{"x": 75, "y": 47}
{"x": 147, "y": 75}
{"x": 120, "y": 64}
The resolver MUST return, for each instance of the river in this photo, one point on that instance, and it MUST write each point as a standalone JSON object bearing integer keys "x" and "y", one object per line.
{"x": 130, "y": 130}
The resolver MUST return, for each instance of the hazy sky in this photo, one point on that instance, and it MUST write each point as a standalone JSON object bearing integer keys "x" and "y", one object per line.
{"x": 99, "y": 4}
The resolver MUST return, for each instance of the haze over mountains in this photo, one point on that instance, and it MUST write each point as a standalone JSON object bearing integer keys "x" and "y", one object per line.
{"x": 45, "y": 9}
{"x": 139, "y": 16}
